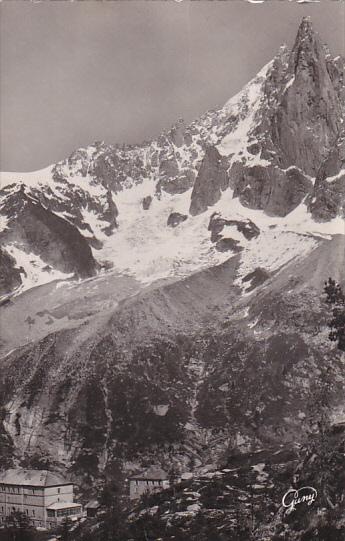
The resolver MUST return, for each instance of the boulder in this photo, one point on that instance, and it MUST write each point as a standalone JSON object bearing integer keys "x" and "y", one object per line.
{"x": 146, "y": 202}
{"x": 175, "y": 218}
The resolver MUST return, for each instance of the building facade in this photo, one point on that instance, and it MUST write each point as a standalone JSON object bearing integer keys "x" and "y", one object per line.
{"x": 151, "y": 480}
{"x": 45, "y": 497}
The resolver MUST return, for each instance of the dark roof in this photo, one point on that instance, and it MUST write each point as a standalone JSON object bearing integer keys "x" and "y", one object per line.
{"x": 153, "y": 473}
{"x": 32, "y": 478}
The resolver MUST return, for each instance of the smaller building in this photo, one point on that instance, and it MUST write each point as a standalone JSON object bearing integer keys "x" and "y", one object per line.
{"x": 92, "y": 508}
{"x": 152, "y": 479}
{"x": 58, "y": 511}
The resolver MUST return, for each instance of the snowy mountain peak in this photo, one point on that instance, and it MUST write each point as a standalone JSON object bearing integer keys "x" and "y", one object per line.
{"x": 271, "y": 153}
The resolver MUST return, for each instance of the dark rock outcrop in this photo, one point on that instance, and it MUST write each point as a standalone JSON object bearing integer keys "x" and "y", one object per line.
{"x": 42, "y": 232}
{"x": 177, "y": 133}
{"x": 328, "y": 198}
{"x": 248, "y": 229}
{"x": 110, "y": 214}
{"x": 255, "y": 278}
{"x": 269, "y": 188}
{"x": 10, "y": 277}
{"x": 177, "y": 183}
{"x": 175, "y": 218}
{"x": 146, "y": 202}
{"x": 228, "y": 245}
{"x": 212, "y": 179}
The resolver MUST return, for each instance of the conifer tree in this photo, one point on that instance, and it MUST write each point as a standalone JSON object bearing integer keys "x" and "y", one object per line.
{"x": 336, "y": 298}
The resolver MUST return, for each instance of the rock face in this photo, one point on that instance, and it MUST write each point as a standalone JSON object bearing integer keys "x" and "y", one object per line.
{"x": 180, "y": 183}
{"x": 277, "y": 192}
{"x": 39, "y": 231}
{"x": 110, "y": 214}
{"x": 212, "y": 179}
{"x": 177, "y": 133}
{"x": 297, "y": 122}
{"x": 10, "y": 277}
{"x": 328, "y": 197}
{"x": 307, "y": 123}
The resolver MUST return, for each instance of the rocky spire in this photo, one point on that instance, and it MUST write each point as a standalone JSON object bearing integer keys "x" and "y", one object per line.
{"x": 307, "y": 121}
{"x": 308, "y": 50}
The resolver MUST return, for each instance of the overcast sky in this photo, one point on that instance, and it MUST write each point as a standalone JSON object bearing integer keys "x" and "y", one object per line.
{"x": 76, "y": 72}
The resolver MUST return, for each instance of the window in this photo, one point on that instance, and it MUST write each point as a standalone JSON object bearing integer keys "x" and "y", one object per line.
{"x": 33, "y": 512}
{"x": 59, "y": 489}
{"x": 69, "y": 511}
{"x": 50, "y": 513}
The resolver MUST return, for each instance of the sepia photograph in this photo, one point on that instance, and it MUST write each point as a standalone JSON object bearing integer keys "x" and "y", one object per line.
{"x": 172, "y": 270}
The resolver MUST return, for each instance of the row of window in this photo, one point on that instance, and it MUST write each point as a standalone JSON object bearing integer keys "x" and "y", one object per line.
{"x": 139, "y": 490}
{"x": 14, "y": 497}
{"x": 18, "y": 490}
{"x": 147, "y": 483}
{"x": 14, "y": 509}
{"x": 64, "y": 512}
{"x": 10, "y": 490}
{"x": 50, "y": 512}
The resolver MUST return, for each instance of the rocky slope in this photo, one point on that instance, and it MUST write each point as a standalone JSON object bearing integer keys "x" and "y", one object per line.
{"x": 97, "y": 391}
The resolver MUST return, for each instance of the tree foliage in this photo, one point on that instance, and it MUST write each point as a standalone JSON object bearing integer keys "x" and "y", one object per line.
{"x": 113, "y": 525}
{"x": 17, "y": 526}
{"x": 336, "y": 299}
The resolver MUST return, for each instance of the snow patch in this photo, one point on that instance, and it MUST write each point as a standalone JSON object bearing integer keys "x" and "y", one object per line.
{"x": 247, "y": 102}
{"x": 336, "y": 177}
{"x": 36, "y": 271}
{"x": 3, "y": 222}
{"x": 289, "y": 83}
{"x": 32, "y": 178}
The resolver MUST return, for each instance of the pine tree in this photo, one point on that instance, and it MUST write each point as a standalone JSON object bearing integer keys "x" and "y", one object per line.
{"x": 336, "y": 298}
{"x": 113, "y": 524}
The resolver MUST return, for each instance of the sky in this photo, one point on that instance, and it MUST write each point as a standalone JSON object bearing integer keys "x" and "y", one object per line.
{"x": 123, "y": 71}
